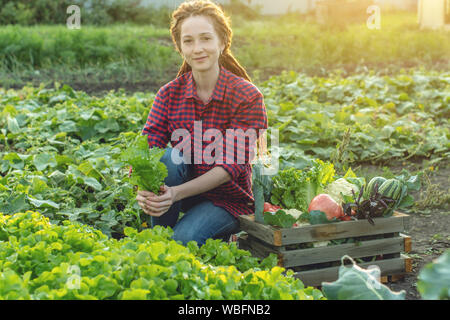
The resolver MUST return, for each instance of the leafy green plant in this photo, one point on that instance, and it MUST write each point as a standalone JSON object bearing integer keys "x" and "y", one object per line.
{"x": 217, "y": 252}
{"x": 71, "y": 169}
{"x": 434, "y": 279}
{"x": 148, "y": 172}
{"x": 39, "y": 260}
{"x": 279, "y": 219}
{"x": 312, "y": 115}
{"x": 294, "y": 188}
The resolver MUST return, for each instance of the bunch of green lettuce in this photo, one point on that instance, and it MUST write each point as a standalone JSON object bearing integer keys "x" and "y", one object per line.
{"x": 148, "y": 172}
{"x": 294, "y": 188}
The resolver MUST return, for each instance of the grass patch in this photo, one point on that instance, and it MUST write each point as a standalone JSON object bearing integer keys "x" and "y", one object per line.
{"x": 128, "y": 54}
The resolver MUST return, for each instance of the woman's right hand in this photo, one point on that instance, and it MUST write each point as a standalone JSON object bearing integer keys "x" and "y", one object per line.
{"x": 156, "y": 205}
{"x": 143, "y": 201}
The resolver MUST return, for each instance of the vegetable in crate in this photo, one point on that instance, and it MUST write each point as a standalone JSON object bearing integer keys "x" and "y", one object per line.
{"x": 262, "y": 186}
{"x": 294, "y": 188}
{"x": 376, "y": 206}
{"x": 148, "y": 172}
{"x": 323, "y": 202}
{"x": 279, "y": 218}
{"x": 391, "y": 188}
{"x": 340, "y": 188}
{"x": 268, "y": 207}
{"x": 369, "y": 189}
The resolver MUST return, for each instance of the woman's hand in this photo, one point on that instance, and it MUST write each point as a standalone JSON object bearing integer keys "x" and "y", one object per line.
{"x": 154, "y": 205}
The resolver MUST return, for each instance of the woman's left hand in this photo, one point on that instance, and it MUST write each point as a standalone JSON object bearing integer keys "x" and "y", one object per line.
{"x": 155, "y": 205}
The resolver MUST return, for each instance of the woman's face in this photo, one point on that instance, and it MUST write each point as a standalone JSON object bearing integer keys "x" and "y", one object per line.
{"x": 200, "y": 43}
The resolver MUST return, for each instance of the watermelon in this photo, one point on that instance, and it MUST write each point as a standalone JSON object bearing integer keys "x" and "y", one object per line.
{"x": 369, "y": 190}
{"x": 391, "y": 188}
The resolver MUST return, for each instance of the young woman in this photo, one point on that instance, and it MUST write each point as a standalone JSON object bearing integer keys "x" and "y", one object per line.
{"x": 211, "y": 94}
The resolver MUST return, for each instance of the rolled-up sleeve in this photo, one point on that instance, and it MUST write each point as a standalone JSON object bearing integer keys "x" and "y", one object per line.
{"x": 156, "y": 126}
{"x": 243, "y": 133}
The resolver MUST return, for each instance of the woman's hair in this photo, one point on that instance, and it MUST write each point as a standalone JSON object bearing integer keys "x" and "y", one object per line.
{"x": 221, "y": 25}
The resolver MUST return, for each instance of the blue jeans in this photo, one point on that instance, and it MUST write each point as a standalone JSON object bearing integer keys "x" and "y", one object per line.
{"x": 202, "y": 219}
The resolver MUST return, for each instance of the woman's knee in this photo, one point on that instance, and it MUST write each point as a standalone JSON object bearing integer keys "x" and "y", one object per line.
{"x": 204, "y": 221}
{"x": 176, "y": 168}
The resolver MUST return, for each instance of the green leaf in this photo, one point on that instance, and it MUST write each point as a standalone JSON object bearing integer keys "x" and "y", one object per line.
{"x": 135, "y": 294}
{"x": 279, "y": 219}
{"x": 15, "y": 161}
{"x": 434, "y": 279}
{"x": 44, "y": 160}
{"x": 148, "y": 172}
{"x": 57, "y": 177}
{"x": 319, "y": 217}
{"x": 43, "y": 203}
{"x": 406, "y": 202}
{"x": 109, "y": 124}
{"x": 68, "y": 126}
{"x": 414, "y": 183}
{"x": 38, "y": 185}
{"x": 13, "y": 125}
{"x": 356, "y": 283}
{"x": 92, "y": 182}
{"x": 15, "y": 203}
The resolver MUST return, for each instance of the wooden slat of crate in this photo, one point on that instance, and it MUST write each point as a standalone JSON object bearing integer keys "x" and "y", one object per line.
{"x": 334, "y": 253}
{"x": 309, "y": 233}
{"x": 256, "y": 247}
{"x": 396, "y": 266}
{"x": 303, "y": 257}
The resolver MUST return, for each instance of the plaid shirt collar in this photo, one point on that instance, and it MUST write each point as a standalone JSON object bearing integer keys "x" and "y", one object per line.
{"x": 219, "y": 89}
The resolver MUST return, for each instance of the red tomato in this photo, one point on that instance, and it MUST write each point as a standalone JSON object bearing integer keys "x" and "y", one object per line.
{"x": 268, "y": 207}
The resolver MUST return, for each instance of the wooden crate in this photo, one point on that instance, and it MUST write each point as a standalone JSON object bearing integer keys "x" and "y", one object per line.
{"x": 313, "y": 265}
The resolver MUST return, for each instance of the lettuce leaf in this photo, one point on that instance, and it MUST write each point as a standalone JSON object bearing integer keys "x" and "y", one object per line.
{"x": 148, "y": 172}
{"x": 294, "y": 188}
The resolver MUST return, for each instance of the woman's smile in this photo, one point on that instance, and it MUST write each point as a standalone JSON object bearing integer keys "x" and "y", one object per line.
{"x": 200, "y": 59}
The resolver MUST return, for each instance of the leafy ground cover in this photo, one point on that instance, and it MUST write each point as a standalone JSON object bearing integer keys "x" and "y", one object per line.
{"x": 60, "y": 155}
{"x": 71, "y": 168}
{"x": 39, "y": 260}
{"x": 361, "y": 118}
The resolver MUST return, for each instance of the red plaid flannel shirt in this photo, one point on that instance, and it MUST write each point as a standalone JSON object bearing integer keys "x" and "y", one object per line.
{"x": 234, "y": 104}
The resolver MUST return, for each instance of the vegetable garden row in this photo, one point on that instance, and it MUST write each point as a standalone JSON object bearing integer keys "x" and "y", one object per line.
{"x": 70, "y": 227}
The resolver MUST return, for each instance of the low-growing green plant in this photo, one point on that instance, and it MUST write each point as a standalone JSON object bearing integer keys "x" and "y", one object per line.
{"x": 312, "y": 114}
{"x": 434, "y": 279}
{"x": 39, "y": 260}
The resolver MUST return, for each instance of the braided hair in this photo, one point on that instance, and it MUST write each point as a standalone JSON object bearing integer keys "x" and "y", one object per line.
{"x": 222, "y": 26}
